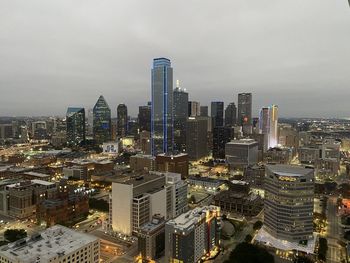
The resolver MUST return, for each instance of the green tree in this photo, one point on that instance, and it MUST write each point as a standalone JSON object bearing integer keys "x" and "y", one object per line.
{"x": 248, "y": 253}
{"x": 13, "y": 235}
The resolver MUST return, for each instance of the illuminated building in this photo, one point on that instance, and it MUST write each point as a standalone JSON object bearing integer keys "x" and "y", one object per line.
{"x": 268, "y": 124}
{"x": 180, "y": 117}
{"x": 122, "y": 120}
{"x": 192, "y": 235}
{"x": 217, "y": 113}
{"x": 289, "y": 202}
{"x": 102, "y": 121}
{"x": 231, "y": 115}
{"x": 162, "y": 106}
{"x": 135, "y": 201}
{"x": 75, "y": 120}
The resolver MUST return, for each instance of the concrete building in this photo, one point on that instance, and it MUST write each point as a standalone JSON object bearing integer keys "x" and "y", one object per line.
{"x": 192, "y": 235}
{"x": 142, "y": 163}
{"x": 268, "y": 124}
{"x": 197, "y": 137}
{"x": 289, "y": 202}
{"x": 151, "y": 238}
{"x": 279, "y": 155}
{"x": 194, "y": 109}
{"x": 255, "y": 176}
{"x": 241, "y": 153}
{"x": 174, "y": 163}
{"x": 205, "y": 183}
{"x": 55, "y": 245}
{"x": 135, "y": 201}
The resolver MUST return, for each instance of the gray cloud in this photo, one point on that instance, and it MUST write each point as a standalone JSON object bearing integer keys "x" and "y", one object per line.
{"x": 294, "y": 53}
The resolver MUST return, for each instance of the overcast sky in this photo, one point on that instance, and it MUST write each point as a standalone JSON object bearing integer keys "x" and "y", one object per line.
{"x": 60, "y": 53}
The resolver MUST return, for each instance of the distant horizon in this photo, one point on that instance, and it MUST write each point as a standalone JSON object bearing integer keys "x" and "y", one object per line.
{"x": 294, "y": 54}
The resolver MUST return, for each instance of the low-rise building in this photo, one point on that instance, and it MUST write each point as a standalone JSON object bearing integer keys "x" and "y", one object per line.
{"x": 56, "y": 244}
{"x": 241, "y": 153}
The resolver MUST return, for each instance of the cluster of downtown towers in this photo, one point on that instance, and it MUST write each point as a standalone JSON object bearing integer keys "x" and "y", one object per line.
{"x": 167, "y": 116}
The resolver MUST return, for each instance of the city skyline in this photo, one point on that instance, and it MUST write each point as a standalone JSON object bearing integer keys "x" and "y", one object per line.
{"x": 281, "y": 57}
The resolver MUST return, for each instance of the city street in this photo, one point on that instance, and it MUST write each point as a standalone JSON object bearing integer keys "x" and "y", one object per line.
{"x": 333, "y": 233}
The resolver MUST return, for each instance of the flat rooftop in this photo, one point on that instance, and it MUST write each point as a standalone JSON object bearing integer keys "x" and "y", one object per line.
{"x": 189, "y": 219}
{"x": 288, "y": 170}
{"x": 55, "y": 241}
{"x": 142, "y": 179}
{"x": 243, "y": 142}
{"x": 39, "y": 175}
{"x": 270, "y": 241}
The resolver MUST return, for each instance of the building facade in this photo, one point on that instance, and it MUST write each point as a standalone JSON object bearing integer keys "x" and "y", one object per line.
{"x": 122, "y": 120}
{"x": 180, "y": 117}
{"x": 102, "y": 121}
{"x": 75, "y": 120}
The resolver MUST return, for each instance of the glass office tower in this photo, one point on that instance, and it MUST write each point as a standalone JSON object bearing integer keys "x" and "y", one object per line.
{"x": 162, "y": 106}
{"x": 217, "y": 113}
{"x": 102, "y": 121}
{"x": 122, "y": 120}
{"x": 75, "y": 120}
{"x": 180, "y": 118}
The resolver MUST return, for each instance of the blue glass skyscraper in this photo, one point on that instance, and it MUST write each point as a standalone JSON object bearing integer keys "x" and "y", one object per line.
{"x": 102, "y": 121}
{"x": 162, "y": 106}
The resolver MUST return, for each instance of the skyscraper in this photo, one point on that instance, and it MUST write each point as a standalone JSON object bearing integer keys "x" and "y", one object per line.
{"x": 289, "y": 202}
{"x": 102, "y": 121}
{"x": 204, "y": 111}
{"x": 75, "y": 119}
{"x": 197, "y": 133}
{"x": 122, "y": 120}
{"x": 162, "y": 106}
{"x": 244, "y": 109}
{"x": 180, "y": 117}
{"x": 231, "y": 115}
{"x": 144, "y": 118}
{"x": 221, "y": 136}
{"x": 193, "y": 109}
{"x": 268, "y": 124}
{"x": 217, "y": 113}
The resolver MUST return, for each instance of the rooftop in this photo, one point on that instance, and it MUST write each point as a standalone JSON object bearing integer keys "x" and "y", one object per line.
{"x": 53, "y": 242}
{"x": 40, "y": 175}
{"x": 288, "y": 170}
{"x": 191, "y": 218}
{"x": 243, "y": 142}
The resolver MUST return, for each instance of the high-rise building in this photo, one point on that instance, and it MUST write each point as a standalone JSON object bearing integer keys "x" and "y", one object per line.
{"x": 122, "y": 120}
{"x": 192, "y": 235}
{"x": 55, "y": 244}
{"x": 135, "y": 201}
{"x": 144, "y": 118}
{"x": 75, "y": 120}
{"x": 204, "y": 111}
{"x": 197, "y": 137}
{"x": 217, "y": 113}
{"x": 231, "y": 115}
{"x": 245, "y": 110}
{"x": 193, "y": 109}
{"x": 174, "y": 163}
{"x": 221, "y": 136}
{"x": 180, "y": 117}
{"x": 289, "y": 202}
{"x": 162, "y": 106}
{"x": 241, "y": 153}
{"x": 268, "y": 124}
{"x": 102, "y": 121}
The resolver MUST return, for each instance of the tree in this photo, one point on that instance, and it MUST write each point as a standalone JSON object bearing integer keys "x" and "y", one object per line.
{"x": 248, "y": 238}
{"x": 192, "y": 199}
{"x": 13, "y": 235}
{"x": 257, "y": 225}
{"x": 248, "y": 253}
{"x": 99, "y": 204}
